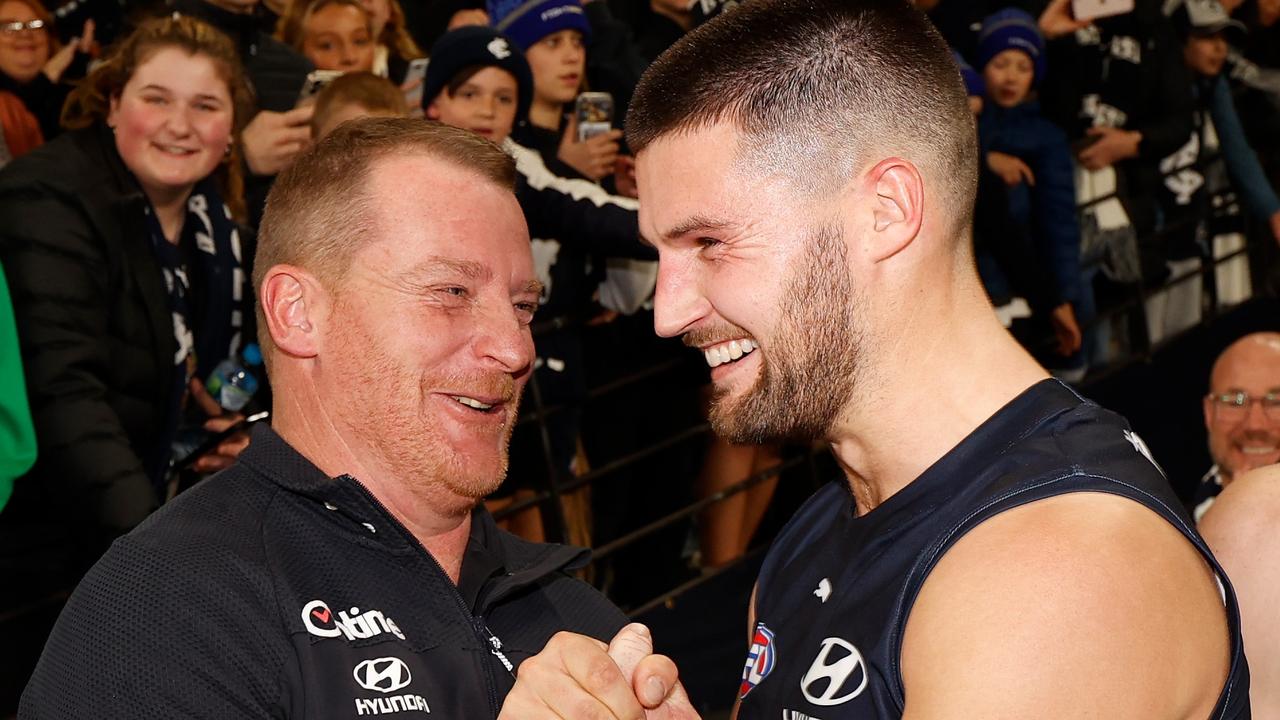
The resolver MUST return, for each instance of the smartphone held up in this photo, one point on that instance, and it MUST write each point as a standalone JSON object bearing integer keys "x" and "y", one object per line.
{"x": 594, "y": 114}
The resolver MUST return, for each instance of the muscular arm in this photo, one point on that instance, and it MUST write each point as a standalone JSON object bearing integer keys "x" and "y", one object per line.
{"x": 1084, "y": 605}
{"x": 1243, "y": 529}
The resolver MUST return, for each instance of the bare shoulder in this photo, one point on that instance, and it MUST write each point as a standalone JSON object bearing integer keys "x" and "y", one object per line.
{"x": 1246, "y": 513}
{"x": 1080, "y": 605}
{"x": 1243, "y": 529}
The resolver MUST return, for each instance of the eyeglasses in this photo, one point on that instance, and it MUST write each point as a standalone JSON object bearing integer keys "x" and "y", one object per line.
{"x": 13, "y": 27}
{"x": 1234, "y": 406}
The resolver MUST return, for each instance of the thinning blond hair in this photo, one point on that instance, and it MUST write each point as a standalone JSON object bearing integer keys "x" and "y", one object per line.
{"x": 318, "y": 212}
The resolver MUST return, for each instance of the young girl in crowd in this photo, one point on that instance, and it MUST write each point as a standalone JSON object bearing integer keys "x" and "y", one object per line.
{"x": 126, "y": 265}
{"x": 552, "y": 35}
{"x": 332, "y": 34}
{"x": 1041, "y": 261}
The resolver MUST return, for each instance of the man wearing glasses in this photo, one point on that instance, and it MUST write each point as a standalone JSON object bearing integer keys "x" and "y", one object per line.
{"x": 1242, "y": 413}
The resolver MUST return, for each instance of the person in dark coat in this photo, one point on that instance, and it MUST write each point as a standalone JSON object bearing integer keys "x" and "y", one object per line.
{"x": 129, "y": 282}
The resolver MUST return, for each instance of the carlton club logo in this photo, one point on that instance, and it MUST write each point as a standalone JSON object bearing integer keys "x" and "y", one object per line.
{"x": 354, "y": 625}
{"x": 760, "y": 660}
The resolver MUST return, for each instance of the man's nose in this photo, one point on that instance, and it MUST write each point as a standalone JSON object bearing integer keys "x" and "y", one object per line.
{"x": 502, "y": 340}
{"x": 678, "y": 300}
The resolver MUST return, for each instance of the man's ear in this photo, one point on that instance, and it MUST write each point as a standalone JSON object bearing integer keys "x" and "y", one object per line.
{"x": 432, "y": 112}
{"x": 897, "y": 190}
{"x": 294, "y": 304}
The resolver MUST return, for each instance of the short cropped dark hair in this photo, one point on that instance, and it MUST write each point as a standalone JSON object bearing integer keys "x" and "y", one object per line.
{"x": 318, "y": 210}
{"x": 818, "y": 89}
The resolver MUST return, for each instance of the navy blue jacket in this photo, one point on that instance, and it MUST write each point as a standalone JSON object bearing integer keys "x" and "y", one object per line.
{"x": 1044, "y": 214}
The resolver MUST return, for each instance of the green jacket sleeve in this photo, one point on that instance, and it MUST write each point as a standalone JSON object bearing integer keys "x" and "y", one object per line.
{"x": 17, "y": 436}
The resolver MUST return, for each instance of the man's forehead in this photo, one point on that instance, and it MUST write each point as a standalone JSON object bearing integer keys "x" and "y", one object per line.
{"x": 1253, "y": 359}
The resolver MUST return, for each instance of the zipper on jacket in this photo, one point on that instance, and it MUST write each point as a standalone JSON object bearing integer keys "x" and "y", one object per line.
{"x": 478, "y": 628}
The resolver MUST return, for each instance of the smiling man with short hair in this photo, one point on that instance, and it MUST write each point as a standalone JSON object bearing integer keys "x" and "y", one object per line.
{"x": 345, "y": 566}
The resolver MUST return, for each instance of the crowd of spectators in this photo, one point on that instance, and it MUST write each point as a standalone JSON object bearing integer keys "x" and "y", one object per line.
{"x": 1119, "y": 153}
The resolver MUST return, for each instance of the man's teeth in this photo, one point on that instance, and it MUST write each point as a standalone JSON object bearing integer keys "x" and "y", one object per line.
{"x": 472, "y": 402}
{"x": 1255, "y": 450}
{"x": 728, "y": 352}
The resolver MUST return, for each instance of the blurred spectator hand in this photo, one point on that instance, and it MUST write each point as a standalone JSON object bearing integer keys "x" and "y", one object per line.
{"x": 1112, "y": 145}
{"x": 1057, "y": 20}
{"x": 61, "y": 60}
{"x": 226, "y": 452}
{"x": 1275, "y": 226}
{"x": 1010, "y": 168}
{"x": 624, "y": 176}
{"x": 471, "y": 16}
{"x": 593, "y": 157}
{"x": 272, "y": 140}
{"x": 1066, "y": 329}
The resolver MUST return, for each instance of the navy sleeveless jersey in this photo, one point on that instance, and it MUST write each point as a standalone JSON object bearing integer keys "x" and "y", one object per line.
{"x": 835, "y": 590}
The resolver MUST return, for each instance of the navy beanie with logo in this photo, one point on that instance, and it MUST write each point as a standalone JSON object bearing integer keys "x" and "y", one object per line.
{"x": 470, "y": 46}
{"x": 528, "y": 21}
{"x": 1011, "y": 29}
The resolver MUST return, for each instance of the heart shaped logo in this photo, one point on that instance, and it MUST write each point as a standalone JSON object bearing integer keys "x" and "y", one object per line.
{"x": 322, "y": 615}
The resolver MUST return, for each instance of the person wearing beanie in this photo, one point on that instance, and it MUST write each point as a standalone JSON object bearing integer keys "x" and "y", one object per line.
{"x": 1039, "y": 260}
{"x": 1192, "y": 175}
{"x": 553, "y": 36}
{"x": 478, "y": 80}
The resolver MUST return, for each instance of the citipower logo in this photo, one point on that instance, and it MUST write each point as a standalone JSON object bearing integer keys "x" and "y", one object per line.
{"x": 355, "y": 625}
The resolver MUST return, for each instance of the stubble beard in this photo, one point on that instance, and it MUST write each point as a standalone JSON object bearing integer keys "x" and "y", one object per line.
{"x": 809, "y": 375}
{"x": 391, "y": 417}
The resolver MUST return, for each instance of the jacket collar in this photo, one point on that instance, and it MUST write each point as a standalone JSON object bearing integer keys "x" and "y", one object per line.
{"x": 490, "y": 551}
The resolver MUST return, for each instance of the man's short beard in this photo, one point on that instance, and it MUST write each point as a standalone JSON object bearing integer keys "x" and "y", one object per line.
{"x": 808, "y": 375}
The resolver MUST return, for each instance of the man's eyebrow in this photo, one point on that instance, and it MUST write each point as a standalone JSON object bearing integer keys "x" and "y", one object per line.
{"x": 533, "y": 287}
{"x": 436, "y": 264}
{"x": 695, "y": 224}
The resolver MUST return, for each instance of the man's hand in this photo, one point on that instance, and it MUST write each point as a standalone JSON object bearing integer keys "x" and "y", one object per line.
{"x": 593, "y": 157}
{"x": 580, "y": 678}
{"x": 1275, "y": 226}
{"x": 1010, "y": 168}
{"x": 225, "y": 453}
{"x": 1112, "y": 146}
{"x": 272, "y": 140}
{"x": 1066, "y": 329}
{"x": 1057, "y": 20}
{"x": 61, "y": 60}
{"x": 653, "y": 677}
